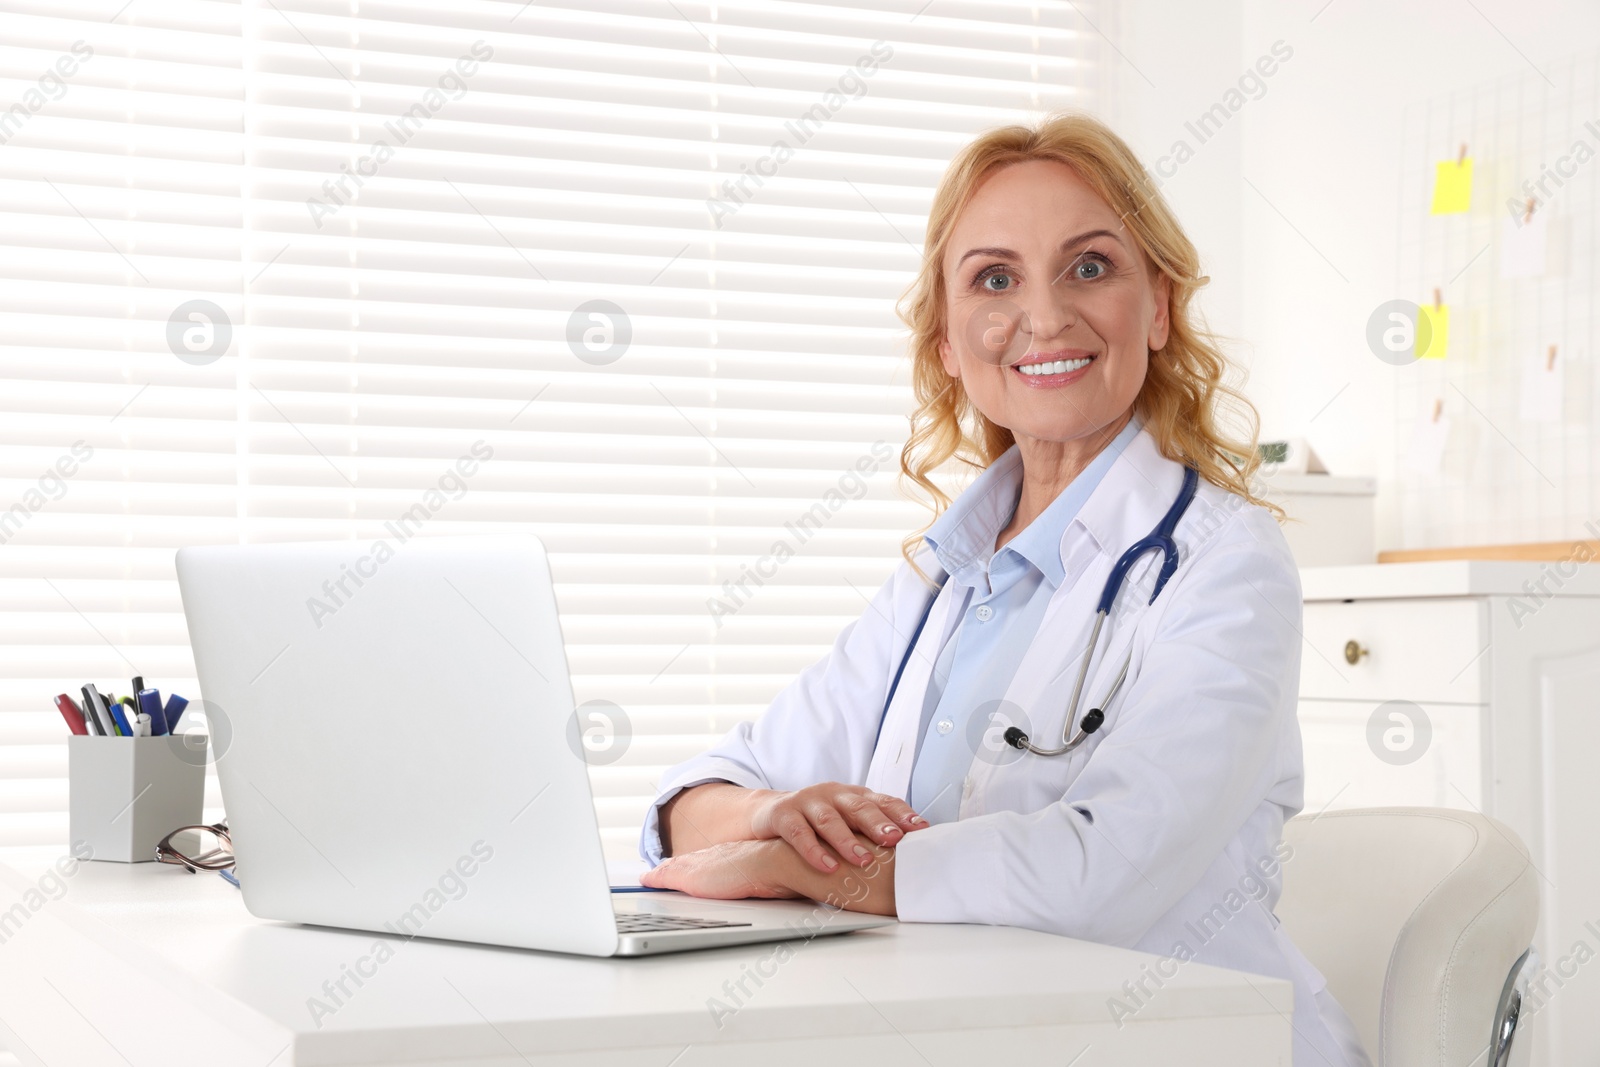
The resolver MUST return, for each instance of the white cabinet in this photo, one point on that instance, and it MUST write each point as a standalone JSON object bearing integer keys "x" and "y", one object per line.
{"x": 1437, "y": 765}
{"x": 1473, "y": 685}
{"x": 1404, "y": 649}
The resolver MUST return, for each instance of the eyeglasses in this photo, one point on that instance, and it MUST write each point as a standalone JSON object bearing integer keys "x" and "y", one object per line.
{"x": 212, "y": 852}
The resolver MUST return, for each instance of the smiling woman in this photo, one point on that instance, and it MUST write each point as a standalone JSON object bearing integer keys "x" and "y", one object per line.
{"x": 1055, "y": 349}
{"x": 1083, "y": 234}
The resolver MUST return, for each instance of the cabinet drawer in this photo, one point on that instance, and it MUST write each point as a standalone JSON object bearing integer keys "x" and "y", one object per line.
{"x": 1423, "y": 650}
{"x": 1436, "y": 765}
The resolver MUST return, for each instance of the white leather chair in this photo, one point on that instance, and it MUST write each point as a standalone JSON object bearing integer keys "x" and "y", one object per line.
{"x": 1421, "y": 921}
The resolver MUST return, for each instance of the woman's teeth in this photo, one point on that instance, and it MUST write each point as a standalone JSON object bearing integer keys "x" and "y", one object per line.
{"x": 1060, "y": 366}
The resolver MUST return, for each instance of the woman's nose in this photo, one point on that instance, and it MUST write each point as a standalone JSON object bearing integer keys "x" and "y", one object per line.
{"x": 1048, "y": 311}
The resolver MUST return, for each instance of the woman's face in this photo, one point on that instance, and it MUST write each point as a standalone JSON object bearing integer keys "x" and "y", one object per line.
{"x": 1053, "y": 310}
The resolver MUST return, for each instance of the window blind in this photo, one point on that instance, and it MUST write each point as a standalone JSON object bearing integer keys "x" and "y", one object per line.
{"x": 120, "y": 153}
{"x": 631, "y": 264}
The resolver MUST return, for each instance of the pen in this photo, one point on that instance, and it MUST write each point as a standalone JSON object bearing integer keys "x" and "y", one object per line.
{"x": 138, "y": 683}
{"x": 141, "y": 724}
{"x": 150, "y": 704}
{"x": 97, "y": 717}
{"x": 174, "y": 710}
{"x": 121, "y": 719}
{"x": 107, "y": 702}
{"x": 70, "y": 712}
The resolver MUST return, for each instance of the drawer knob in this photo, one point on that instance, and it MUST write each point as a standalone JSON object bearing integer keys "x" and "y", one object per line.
{"x": 1353, "y": 652}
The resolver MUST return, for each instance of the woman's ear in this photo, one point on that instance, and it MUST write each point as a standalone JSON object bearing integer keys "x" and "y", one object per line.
{"x": 947, "y": 356}
{"x": 1160, "y": 321}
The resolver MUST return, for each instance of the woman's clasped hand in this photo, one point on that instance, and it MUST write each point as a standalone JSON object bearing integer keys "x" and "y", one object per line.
{"x": 831, "y": 842}
{"x": 821, "y": 822}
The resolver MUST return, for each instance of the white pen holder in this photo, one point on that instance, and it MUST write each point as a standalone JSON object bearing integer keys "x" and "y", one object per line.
{"x": 127, "y": 793}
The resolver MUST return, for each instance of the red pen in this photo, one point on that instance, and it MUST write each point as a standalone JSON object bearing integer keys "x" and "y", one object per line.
{"x": 72, "y": 713}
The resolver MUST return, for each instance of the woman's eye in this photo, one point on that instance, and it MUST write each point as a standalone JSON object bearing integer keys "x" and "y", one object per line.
{"x": 1005, "y": 278}
{"x": 1090, "y": 269}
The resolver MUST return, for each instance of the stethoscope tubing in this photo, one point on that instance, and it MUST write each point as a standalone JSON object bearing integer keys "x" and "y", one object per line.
{"x": 1160, "y": 539}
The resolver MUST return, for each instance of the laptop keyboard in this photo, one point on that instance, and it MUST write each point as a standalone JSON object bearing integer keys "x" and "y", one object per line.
{"x": 641, "y": 923}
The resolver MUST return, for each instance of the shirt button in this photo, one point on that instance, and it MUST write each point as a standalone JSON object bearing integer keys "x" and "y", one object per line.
{"x": 984, "y": 613}
{"x": 945, "y": 726}
{"x": 966, "y": 787}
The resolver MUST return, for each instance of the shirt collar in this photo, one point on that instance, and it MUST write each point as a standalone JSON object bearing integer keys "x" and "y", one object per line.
{"x": 962, "y": 539}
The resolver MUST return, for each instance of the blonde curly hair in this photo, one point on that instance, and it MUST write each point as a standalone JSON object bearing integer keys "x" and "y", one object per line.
{"x": 1183, "y": 390}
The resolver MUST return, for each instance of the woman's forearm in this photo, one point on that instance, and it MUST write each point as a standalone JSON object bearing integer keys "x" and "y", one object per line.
{"x": 706, "y": 815}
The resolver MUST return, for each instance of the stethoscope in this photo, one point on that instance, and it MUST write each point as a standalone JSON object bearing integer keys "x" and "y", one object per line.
{"x": 1159, "y": 538}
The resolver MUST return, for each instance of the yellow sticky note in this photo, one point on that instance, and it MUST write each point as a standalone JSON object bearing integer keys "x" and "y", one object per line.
{"x": 1438, "y": 332}
{"x": 1452, "y": 187}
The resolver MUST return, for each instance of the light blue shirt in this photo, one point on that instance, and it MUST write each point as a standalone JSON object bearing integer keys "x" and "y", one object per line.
{"x": 1000, "y": 599}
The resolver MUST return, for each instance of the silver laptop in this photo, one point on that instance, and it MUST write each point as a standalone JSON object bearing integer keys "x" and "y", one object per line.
{"x": 395, "y": 737}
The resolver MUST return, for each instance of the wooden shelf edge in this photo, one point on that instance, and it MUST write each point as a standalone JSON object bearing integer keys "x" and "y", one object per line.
{"x": 1547, "y": 551}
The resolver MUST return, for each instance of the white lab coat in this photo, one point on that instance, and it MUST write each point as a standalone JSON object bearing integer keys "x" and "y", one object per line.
{"x": 1162, "y": 832}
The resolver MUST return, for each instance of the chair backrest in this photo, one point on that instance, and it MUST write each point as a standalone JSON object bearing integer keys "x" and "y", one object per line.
{"x": 1415, "y": 916}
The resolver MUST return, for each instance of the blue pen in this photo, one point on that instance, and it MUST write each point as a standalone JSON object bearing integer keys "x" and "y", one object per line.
{"x": 639, "y": 889}
{"x": 121, "y": 720}
{"x": 174, "y": 710}
{"x": 150, "y": 704}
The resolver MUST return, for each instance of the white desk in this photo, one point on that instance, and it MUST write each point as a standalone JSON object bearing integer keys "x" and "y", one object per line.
{"x": 147, "y": 965}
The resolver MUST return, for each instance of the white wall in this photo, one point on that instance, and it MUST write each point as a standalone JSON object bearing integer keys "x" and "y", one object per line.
{"x": 1173, "y": 56}
{"x": 1294, "y": 206}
